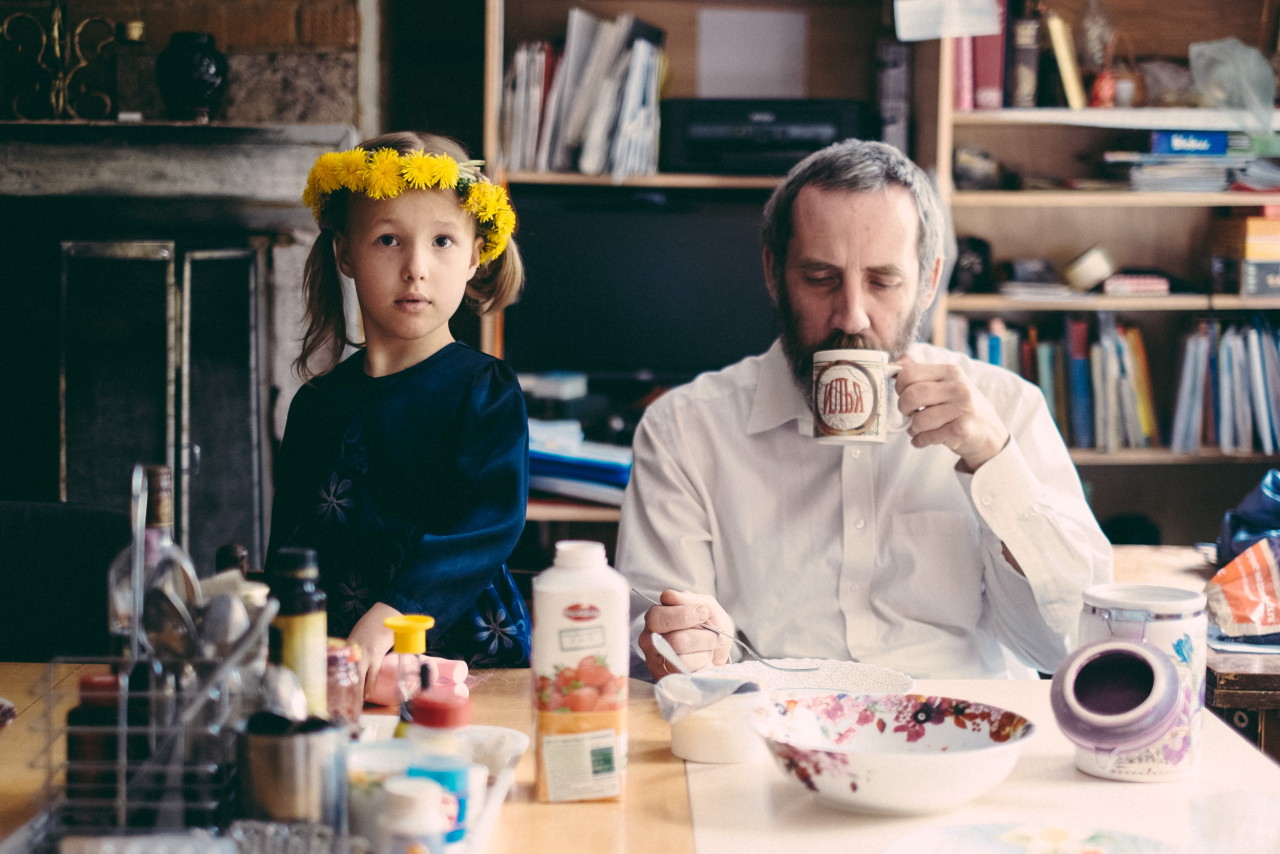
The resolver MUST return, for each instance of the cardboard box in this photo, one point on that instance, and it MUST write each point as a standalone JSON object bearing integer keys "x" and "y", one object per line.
{"x": 1254, "y": 238}
{"x": 1248, "y": 277}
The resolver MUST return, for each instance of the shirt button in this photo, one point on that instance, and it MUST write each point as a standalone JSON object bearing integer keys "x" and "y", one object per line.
{"x": 855, "y": 453}
{"x": 860, "y": 524}
{"x": 986, "y": 501}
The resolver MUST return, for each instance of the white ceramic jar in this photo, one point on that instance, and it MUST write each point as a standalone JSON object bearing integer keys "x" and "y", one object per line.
{"x": 1174, "y": 622}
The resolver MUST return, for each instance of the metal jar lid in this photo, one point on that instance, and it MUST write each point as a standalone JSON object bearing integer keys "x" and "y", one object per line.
{"x": 1150, "y": 600}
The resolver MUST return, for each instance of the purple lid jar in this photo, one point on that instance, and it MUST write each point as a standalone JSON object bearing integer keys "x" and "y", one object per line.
{"x": 1115, "y": 695}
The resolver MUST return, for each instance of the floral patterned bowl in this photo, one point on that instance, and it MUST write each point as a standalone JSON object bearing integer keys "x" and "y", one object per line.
{"x": 891, "y": 753}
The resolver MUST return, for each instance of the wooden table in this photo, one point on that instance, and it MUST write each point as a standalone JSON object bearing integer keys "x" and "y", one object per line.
{"x": 1242, "y": 688}
{"x": 654, "y": 815}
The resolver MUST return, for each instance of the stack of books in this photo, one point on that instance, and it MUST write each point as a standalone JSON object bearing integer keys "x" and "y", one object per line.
{"x": 1186, "y": 161}
{"x": 591, "y": 107}
{"x": 1229, "y": 389}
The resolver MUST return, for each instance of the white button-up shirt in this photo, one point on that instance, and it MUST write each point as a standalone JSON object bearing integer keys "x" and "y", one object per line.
{"x": 881, "y": 553}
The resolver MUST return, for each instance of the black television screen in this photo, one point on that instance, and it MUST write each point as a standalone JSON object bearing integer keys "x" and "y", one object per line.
{"x": 638, "y": 283}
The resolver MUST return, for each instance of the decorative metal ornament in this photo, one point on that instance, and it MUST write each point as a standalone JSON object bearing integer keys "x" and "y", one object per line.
{"x": 52, "y": 68}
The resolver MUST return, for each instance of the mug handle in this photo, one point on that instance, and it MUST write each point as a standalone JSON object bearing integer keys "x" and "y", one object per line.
{"x": 895, "y": 421}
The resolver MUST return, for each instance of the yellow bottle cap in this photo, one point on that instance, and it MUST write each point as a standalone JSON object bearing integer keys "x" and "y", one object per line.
{"x": 410, "y": 631}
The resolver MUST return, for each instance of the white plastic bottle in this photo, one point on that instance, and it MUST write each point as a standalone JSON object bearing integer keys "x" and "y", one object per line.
{"x": 581, "y": 661}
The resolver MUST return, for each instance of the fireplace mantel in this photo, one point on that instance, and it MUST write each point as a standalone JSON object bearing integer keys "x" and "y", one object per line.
{"x": 248, "y": 168}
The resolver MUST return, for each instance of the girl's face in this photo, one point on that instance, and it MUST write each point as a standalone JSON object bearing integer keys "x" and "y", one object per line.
{"x": 411, "y": 258}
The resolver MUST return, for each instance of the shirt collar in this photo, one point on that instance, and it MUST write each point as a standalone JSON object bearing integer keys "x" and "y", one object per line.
{"x": 777, "y": 398}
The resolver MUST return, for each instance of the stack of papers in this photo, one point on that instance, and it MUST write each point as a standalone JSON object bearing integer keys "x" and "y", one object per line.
{"x": 592, "y": 471}
{"x": 1186, "y": 176}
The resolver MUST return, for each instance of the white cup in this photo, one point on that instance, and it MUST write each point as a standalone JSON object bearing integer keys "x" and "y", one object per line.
{"x": 852, "y": 399}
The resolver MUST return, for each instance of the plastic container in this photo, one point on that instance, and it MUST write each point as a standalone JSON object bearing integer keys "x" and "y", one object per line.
{"x": 442, "y": 752}
{"x": 581, "y": 661}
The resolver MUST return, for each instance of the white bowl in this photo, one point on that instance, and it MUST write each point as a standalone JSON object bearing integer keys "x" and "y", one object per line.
{"x": 853, "y": 677}
{"x": 891, "y": 753}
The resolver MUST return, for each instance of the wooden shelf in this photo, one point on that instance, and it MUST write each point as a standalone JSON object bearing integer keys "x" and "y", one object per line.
{"x": 1164, "y": 457}
{"x": 985, "y": 303}
{"x": 1107, "y": 199}
{"x": 1137, "y": 118}
{"x": 668, "y": 180}
{"x": 998, "y": 303}
{"x": 566, "y": 510}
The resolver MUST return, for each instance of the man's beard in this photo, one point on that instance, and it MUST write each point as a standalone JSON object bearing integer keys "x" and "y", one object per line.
{"x": 800, "y": 357}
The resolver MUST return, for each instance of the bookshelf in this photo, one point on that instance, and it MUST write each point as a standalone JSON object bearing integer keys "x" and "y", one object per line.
{"x": 835, "y": 31}
{"x": 1185, "y": 494}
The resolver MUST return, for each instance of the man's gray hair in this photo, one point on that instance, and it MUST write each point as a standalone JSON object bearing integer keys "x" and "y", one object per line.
{"x": 860, "y": 166}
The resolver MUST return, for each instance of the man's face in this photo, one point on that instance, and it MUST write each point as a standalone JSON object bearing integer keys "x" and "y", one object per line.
{"x": 852, "y": 278}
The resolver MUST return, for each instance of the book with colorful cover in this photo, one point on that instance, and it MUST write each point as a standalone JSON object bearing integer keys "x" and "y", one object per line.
{"x": 1079, "y": 382}
{"x": 1142, "y": 385}
{"x": 988, "y": 64}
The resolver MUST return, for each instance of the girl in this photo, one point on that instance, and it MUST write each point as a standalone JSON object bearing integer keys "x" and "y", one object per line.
{"x": 405, "y": 466}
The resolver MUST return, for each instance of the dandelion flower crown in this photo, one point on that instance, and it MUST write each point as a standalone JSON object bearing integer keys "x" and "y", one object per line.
{"x": 385, "y": 173}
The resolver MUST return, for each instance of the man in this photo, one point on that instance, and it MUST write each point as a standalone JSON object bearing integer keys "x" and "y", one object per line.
{"x": 958, "y": 548}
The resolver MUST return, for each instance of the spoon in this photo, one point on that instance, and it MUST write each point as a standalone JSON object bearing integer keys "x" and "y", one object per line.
{"x": 751, "y": 652}
{"x": 282, "y": 693}
{"x": 223, "y": 619}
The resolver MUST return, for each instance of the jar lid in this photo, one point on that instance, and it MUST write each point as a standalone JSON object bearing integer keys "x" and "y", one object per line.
{"x": 440, "y": 709}
{"x": 1115, "y": 695}
{"x": 1152, "y": 598}
{"x": 100, "y": 689}
{"x": 341, "y": 652}
{"x": 416, "y": 803}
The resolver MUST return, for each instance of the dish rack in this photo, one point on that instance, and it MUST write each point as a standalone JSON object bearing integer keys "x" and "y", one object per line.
{"x": 161, "y": 760}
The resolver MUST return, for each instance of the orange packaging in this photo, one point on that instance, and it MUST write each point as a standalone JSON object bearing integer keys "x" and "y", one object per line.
{"x": 1244, "y": 596}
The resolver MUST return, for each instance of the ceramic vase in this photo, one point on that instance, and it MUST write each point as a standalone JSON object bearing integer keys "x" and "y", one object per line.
{"x": 192, "y": 75}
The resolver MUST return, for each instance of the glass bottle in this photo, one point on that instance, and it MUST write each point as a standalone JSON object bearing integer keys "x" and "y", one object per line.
{"x": 345, "y": 701}
{"x": 1097, "y": 39}
{"x": 165, "y": 563}
{"x": 303, "y": 624}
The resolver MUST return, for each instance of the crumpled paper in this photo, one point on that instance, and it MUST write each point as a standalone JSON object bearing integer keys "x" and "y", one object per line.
{"x": 1244, "y": 596}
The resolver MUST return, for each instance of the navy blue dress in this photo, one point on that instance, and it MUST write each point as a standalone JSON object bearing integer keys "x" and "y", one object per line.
{"x": 411, "y": 488}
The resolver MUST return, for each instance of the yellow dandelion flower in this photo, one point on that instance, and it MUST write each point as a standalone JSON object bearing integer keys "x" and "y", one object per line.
{"x": 485, "y": 200}
{"x": 423, "y": 170}
{"x": 347, "y": 168}
{"x": 494, "y": 245}
{"x": 505, "y": 220}
{"x": 381, "y": 177}
{"x": 324, "y": 175}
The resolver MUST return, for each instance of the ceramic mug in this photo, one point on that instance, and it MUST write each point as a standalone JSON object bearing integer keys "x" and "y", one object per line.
{"x": 852, "y": 401}
{"x": 1174, "y": 622}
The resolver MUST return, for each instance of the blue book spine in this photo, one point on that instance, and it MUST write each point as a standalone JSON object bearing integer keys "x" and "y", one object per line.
{"x": 1081, "y": 405}
{"x": 1190, "y": 142}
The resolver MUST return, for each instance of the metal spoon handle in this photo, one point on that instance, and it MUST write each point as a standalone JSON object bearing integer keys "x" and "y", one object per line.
{"x": 741, "y": 643}
{"x": 751, "y": 652}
